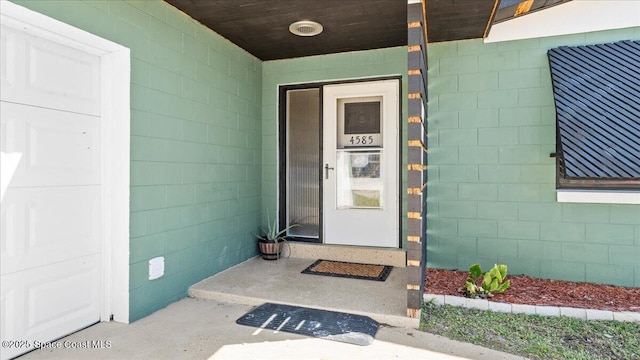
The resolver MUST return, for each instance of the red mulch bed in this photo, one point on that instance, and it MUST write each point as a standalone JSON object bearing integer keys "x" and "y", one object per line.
{"x": 532, "y": 291}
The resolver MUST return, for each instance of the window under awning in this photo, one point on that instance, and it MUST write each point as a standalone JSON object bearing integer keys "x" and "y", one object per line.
{"x": 596, "y": 89}
{"x": 509, "y": 9}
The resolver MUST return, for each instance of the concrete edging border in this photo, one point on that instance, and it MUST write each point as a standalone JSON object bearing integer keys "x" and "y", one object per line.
{"x": 584, "y": 314}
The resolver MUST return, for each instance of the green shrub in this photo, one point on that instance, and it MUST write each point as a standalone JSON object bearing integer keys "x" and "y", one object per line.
{"x": 478, "y": 286}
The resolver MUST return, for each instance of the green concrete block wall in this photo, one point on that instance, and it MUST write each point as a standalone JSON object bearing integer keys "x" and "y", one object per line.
{"x": 491, "y": 181}
{"x": 315, "y": 69}
{"x": 196, "y": 139}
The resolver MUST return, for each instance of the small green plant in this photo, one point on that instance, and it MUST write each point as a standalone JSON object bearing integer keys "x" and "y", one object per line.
{"x": 478, "y": 286}
{"x": 271, "y": 232}
{"x": 271, "y": 239}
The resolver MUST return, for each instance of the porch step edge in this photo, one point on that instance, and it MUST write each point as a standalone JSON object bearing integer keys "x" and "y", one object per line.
{"x": 363, "y": 255}
{"x": 383, "y": 319}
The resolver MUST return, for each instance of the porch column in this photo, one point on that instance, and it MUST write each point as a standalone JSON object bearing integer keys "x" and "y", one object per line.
{"x": 417, "y": 157}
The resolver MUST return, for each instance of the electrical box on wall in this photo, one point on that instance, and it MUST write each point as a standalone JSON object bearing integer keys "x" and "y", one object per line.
{"x": 156, "y": 267}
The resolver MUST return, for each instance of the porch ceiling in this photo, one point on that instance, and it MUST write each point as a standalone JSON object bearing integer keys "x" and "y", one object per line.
{"x": 262, "y": 26}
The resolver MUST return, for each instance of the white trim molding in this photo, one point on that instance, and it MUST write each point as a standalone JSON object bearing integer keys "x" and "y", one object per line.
{"x": 115, "y": 132}
{"x": 573, "y": 17}
{"x": 598, "y": 196}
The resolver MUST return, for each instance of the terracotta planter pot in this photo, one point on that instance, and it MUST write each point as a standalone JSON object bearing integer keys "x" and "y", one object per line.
{"x": 270, "y": 250}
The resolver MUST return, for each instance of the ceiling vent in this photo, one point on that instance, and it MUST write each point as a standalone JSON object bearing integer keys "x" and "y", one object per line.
{"x": 305, "y": 28}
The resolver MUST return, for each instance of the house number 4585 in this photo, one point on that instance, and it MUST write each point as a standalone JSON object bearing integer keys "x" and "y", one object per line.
{"x": 361, "y": 140}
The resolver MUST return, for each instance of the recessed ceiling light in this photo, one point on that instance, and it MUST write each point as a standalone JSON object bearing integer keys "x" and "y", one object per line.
{"x": 305, "y": 28}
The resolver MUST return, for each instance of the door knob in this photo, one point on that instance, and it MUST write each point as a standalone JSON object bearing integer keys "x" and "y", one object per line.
{"x": 326, "y": 171}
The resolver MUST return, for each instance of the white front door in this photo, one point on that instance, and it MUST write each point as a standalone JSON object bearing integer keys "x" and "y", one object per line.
{"x": 360, "y": 153}
{"x": 51, "y": 205}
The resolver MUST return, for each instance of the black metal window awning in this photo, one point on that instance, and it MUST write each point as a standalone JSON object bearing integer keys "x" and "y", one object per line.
{"x": 596, "y": 89}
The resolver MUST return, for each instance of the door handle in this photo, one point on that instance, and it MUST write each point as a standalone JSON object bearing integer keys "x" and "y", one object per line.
{"x": 326, "y": 171}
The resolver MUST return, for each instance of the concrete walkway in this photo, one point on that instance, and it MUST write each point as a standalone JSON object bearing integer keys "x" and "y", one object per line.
{"x": 203, "y": 326}
{"x": 205, "y": 329}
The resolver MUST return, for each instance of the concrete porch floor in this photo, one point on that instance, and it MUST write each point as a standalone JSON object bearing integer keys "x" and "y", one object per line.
{"x": 257, "y": 281}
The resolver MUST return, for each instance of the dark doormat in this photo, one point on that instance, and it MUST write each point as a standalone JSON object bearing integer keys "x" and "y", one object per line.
{"x": 330, "y": 325}
{"x": 349, "y": 270}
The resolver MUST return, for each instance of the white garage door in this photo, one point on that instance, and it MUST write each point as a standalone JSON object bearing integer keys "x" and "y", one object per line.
{"x": 50, "y": 229}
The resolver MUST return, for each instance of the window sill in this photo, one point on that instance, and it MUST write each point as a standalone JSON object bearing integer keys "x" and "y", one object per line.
{"x": 598, "y": 196}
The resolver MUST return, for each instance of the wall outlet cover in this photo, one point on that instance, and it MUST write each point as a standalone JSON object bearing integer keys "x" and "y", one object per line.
{"x": 156, "y": 267}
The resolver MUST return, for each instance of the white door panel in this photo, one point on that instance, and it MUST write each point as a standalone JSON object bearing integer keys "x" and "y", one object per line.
{"x": 35, "y": 234}
{"x": 7, "y": 58}
{"x": 48, "y": 306}
{"x": 55, "y": 147}
{"x": 43, "y": 73}
{"x": 51, "y": 205}
{"x": 360, "y": 152}
{"x": 8, "y": 309}
{"x": 39, "y": 310}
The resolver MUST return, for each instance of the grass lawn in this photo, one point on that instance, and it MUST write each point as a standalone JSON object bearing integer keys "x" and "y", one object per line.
{"x": 534, "y": 336}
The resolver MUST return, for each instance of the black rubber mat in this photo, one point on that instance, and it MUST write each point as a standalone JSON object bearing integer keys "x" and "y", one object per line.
{"x": 331, "y": 325}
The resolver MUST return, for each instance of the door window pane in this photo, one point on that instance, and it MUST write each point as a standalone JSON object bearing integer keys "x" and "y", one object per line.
{"x": 359, "y": 182}
{"x": 362, "y": 118}
{"x": 303, "y": 162}
{"x": 359, "y": 123}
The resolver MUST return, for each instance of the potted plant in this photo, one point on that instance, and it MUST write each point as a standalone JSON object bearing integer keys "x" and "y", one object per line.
{"x": 272, "y": 240}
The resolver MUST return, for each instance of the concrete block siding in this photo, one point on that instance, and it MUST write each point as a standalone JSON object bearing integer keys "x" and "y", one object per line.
{"x": 491, "y": 196}
{"x": 196, "y": 138}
